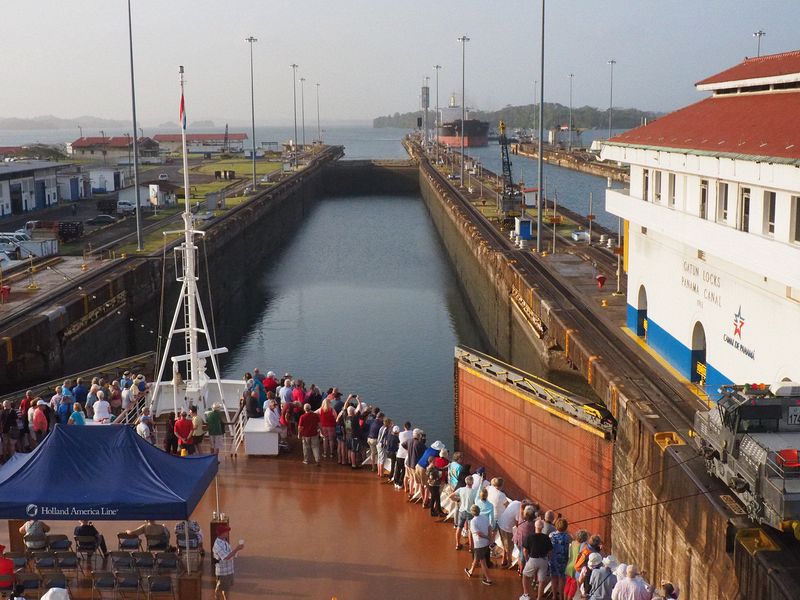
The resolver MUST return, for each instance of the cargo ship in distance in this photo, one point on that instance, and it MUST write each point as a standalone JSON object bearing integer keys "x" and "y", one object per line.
{"x": 476, "y": 133}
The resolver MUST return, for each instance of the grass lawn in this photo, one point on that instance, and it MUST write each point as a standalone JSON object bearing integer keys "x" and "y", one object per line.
{"x": 242, "y": 166}
{"x": 199, "y": 190}
{"x": 152, "y": 242}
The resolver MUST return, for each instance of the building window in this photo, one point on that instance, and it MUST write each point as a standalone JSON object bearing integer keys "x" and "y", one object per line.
{"x": 671, "y": 190}
{"x": 743, "y": 210}
{"x": 722, "y": 202}
{"x": 646, "y": 185}
{"x": 769, "y": 213}
{"x": 795, "y": 237}
{"x": 704, "y": 198}
{"x": 657, "y": 186}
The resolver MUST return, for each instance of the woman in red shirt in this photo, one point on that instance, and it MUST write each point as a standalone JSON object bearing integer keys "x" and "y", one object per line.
{"x": 327, "y": 422}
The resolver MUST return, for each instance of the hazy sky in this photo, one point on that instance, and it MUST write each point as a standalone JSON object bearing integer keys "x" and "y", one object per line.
{"x": 369, "y": 56}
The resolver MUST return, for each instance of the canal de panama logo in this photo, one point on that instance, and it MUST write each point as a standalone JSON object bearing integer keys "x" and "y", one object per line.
{"x": 738, "y": 323}
{"x": 31, "y": 510}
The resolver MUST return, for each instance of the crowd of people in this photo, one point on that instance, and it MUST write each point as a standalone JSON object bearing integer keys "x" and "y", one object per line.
{"x": 499, "y": 532}
{"x": 534, "y": 542}
{"x": 24, "y": 424}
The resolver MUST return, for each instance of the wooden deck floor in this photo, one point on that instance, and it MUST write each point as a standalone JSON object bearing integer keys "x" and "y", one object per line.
{"x": 328, "y": 532}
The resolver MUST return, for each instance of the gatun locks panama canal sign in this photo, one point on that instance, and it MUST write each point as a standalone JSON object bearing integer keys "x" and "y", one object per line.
{"x": 706, "y": 285}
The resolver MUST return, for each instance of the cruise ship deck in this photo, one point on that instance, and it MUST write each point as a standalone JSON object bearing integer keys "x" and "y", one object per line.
{"x": 325, "y": 532}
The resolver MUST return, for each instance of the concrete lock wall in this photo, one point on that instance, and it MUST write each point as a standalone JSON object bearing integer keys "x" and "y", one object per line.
{"x": 484, "y": 279}
{"x": 104, "y": 321}
{"x": 540, "y": 455}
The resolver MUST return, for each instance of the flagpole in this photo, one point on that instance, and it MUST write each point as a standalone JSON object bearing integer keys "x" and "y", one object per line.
{"x": 190, "y": 281}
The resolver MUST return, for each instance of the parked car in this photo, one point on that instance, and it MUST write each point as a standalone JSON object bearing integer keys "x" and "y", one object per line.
{"x": 101, "y": 220}
{"x": 125, "y": 208}
{"x": 163, "y": 176}
{"x": 18, "y": 236}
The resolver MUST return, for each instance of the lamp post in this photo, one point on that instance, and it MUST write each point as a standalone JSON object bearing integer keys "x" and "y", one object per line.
{"x": 463, "y": 39}
{"x": 303, "y": 108}
{"x": 571, "y": 76}
{"x": 294, "y": 106}
{"x": 81, "y": 130}
{"x": 319, "y": 130}
{"x": 251, "y": 40}
{"x": 105, "y": 145}
{"x": 426, "y": 137}
{"x": 540, "y": 165}
{"x": 758, "y": 35}
{"x": 611, "y": 62}
{"x": 139, "y": 241}
{"x": 436, "y": 125}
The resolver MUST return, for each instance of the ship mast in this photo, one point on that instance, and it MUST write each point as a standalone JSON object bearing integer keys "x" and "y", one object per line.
{"x": 190, "y": 305}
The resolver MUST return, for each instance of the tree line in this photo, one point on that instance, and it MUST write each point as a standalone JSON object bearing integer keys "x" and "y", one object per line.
{"x": 527, "y": 116}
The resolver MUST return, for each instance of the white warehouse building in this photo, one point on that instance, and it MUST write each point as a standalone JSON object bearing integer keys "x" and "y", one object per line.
{"x": 712, "y": 227}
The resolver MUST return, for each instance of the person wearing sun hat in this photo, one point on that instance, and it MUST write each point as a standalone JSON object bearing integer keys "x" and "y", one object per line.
{"x": 224, "y": 554}
{"x": 603, "y": 580}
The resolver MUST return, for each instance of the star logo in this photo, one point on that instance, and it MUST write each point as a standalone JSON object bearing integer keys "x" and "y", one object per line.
{"x": 738, "y": 323}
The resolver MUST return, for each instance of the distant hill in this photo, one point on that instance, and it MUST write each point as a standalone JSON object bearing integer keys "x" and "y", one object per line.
{"x": 202, "y": 125}
{"x": 51, "y": 122}
{"x": 583, "y": 117}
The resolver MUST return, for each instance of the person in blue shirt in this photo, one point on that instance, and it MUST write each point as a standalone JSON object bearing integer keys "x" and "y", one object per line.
{"x": 80, "y": 391}
{"x": 77, "y": 417}
{"x": 66, "y": 391}
{"x": 64, "y": 410}
{"x": 125, "y": 379}
{"x": 454, "y": 470}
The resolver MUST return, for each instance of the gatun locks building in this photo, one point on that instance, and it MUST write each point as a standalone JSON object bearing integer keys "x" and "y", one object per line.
{"x": 712, "y": 227}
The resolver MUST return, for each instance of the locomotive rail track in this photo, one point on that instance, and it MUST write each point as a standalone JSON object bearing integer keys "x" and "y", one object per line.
{"x": 675, "y": 405}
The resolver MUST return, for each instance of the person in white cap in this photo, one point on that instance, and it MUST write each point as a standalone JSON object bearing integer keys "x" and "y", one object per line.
{"x": 603, "y": 580}
{"x": 144, "y": 426}
{"x": 633, "y": 587}
{"x": 583, "y": 577}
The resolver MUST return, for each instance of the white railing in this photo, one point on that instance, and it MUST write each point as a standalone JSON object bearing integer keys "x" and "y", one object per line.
{"x": 237, "y": 430}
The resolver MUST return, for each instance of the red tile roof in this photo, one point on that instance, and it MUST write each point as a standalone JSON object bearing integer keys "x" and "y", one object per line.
{"x": 760, "y": 124}
{"x": 199, "y": 137}
{"x": 120, "y": 141}
{"x": 10, "y": 149}
{"x": 772, "y": 65}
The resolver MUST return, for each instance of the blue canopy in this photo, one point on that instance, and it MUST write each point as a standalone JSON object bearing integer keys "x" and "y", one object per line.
{"x": 102, "y": 472}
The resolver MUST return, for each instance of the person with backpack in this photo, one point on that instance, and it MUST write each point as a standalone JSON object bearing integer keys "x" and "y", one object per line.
{"x": 575, "y": 548}
{"x": 603, "y": 580}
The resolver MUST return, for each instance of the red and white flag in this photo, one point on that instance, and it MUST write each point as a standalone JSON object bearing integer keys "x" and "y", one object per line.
{"x": 183, "y": 113}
